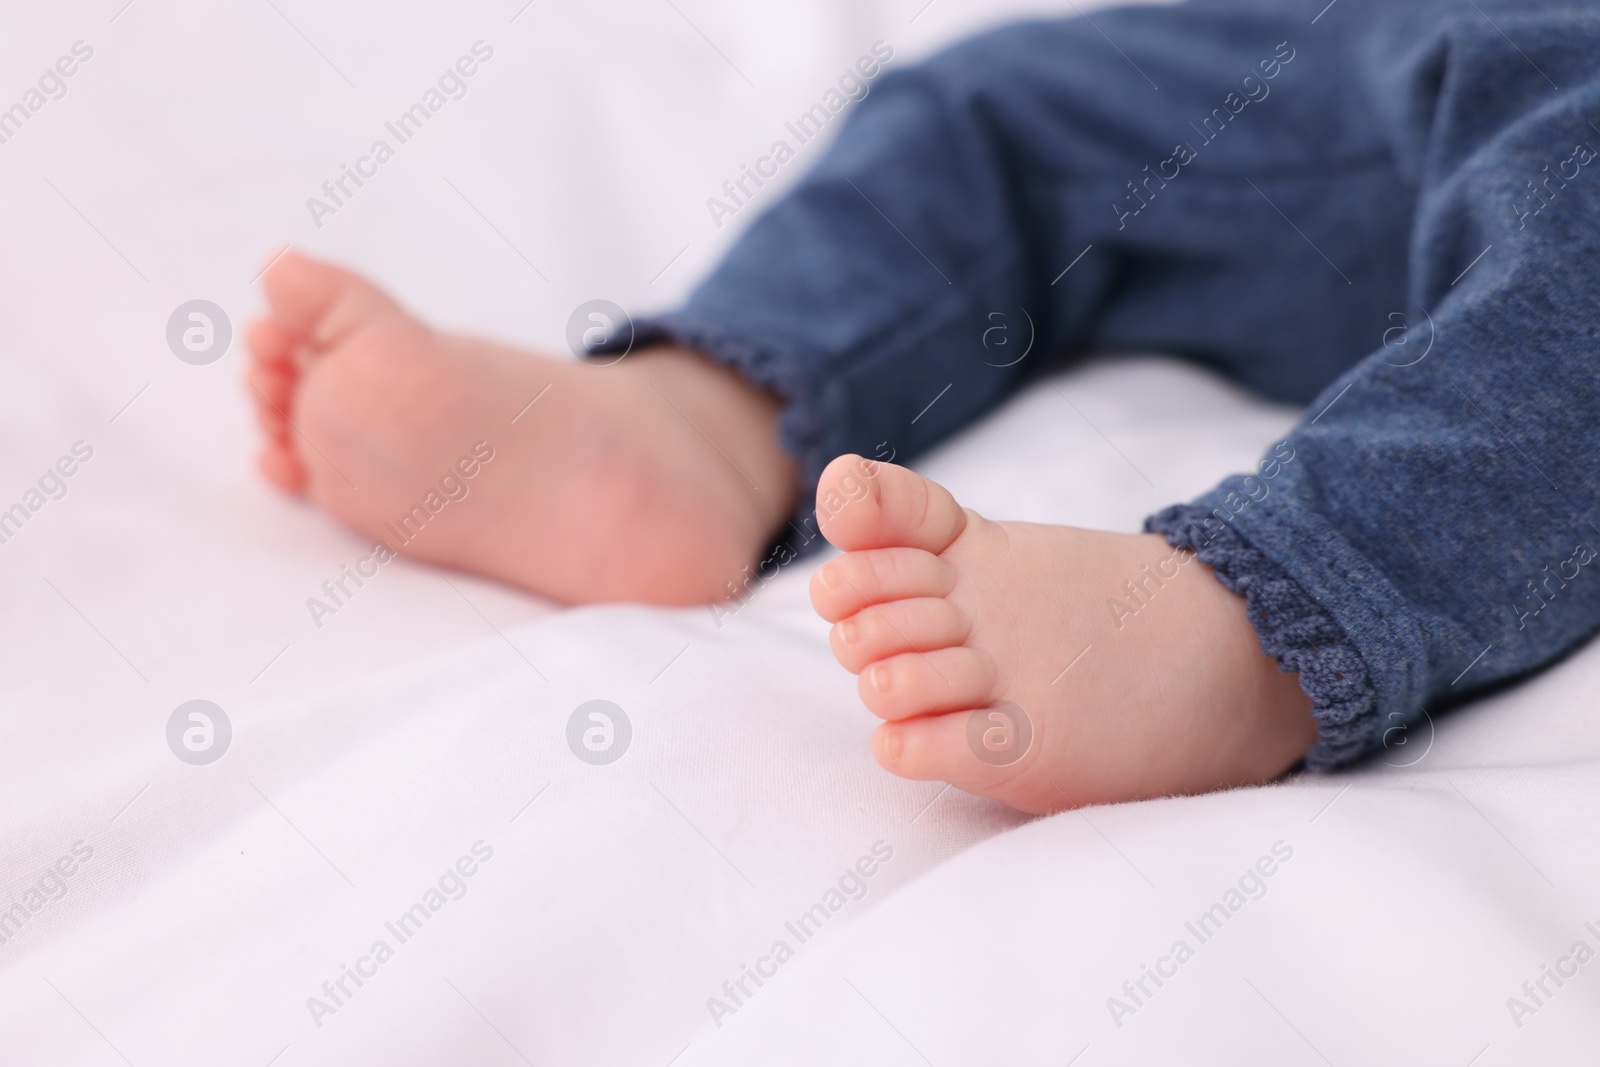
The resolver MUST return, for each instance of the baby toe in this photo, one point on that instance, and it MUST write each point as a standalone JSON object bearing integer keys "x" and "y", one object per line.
{"x": 274, "y": 425}
{"x": 318, "y": 301}
{"x": 273, "y": 386}
{"x": 920, "y": 624}
{"x": 864, "y": 505}
{"x": 842, "y": 587}
{"x": 992, "y": 756}
{"x": 928, "y": 683}
{"x": 280, "y": 467}
{"x": 269, "y": 342}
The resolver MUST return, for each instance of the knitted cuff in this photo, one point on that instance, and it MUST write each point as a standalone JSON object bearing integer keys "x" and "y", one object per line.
{"x": 1294, "y": 630}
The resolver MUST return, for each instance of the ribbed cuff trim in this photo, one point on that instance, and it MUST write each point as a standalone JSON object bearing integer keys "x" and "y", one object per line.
{"x": 1294, "y": 630}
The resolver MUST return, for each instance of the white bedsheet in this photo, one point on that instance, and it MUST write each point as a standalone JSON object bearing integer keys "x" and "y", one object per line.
{"x": 207, "y": 905}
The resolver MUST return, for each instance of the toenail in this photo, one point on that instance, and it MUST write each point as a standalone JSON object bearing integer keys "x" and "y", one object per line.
{"x": 848, "y": 632}
{"x": 829, "y": 576}
{"x": 880, "y": 677}
{"x": 893, "y": 745}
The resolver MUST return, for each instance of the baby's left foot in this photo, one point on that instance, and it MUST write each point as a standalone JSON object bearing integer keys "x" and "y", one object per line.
{"x": 997, "y": 653}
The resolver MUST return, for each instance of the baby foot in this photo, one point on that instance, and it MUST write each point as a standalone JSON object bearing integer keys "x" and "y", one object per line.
{"x": 947, "y": 616}
{"x": 657, "y": 478}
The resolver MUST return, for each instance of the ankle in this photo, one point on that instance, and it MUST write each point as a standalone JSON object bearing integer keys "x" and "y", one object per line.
{"x": 738, "y": 418}
{"x": 1270, "y": 726}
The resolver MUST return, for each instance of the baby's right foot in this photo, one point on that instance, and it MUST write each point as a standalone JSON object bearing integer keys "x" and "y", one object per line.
{"x": 1044, "y": 666}
{"x": 655, "y": 479}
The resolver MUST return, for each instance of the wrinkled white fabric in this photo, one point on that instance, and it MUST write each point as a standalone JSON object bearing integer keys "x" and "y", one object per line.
{"x": 420, "y": 731}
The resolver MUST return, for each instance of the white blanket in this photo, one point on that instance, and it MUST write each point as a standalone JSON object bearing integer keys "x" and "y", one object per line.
{"x": 401, "y": 775}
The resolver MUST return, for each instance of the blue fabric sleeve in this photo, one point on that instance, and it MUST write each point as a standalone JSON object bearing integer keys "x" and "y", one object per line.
{"x": 1389, "y": 211}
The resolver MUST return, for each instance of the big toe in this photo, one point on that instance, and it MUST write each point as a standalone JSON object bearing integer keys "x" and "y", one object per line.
{"x": 320, "y": 302}
{"x": 862, "y": 505}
